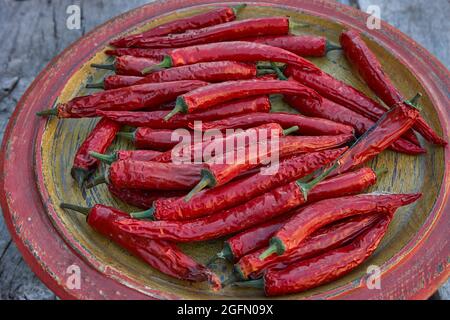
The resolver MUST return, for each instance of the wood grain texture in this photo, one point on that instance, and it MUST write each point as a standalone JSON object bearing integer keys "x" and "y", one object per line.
{"x": 34, "y": 31}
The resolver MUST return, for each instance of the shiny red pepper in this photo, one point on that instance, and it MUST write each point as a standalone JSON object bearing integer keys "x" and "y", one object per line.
{"x": 161, "y": 255}
{"x": 155, "y": 119}
{"x": 216, "y": 174}
{"x": 321, "y": 241}
{"x": 338, "y": 113}
{"x": 306, "y": 125}
{"x": 237, "y": 192}
{"x": 201, "y": 20}
{"x": 257, "y": 237}
{"x": 128, "y": 65}
{"x": 332, "y": 264}
{"x": 98, "y": 140}
{"x": 370, "y": 69}
{"x": 129, "y": 98}
{"x": 213, "y": 94}
{"x": 221, "y": 32}
{"x": 311, "y": 218}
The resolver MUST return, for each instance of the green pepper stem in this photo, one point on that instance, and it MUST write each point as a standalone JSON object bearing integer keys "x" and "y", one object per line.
{"x": 126, "y": 135}
{"x": 278, "y": 71}
{"x": 264, "y": 71}
{"x": 330, "y": 47}
{"x": 290, "y": 130}
{"x": 180, "y": 106}
{"x": 100, "y": 179}
{"x": 103, "y": 66}
{"x": 273, "y": 248}
{"x": 48, "y": 112}
{"x": 107, "y": 158}
{"x": 147, "y": 214}
{"x": 307, "y": 187}
{"x": 99, "y": 85}
{"x": 83, "y": 210}
{"x": 237, "y": 8}
{"x": 203, "y": 183}
{"x": 80, "y": 175}
{"x": 258, "y": 283}
{"x": 165, "y": 63}
{"x": 413, "y": 102}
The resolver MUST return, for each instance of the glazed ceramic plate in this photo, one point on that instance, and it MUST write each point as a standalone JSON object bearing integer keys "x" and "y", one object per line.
{"x": 37, "y": 157}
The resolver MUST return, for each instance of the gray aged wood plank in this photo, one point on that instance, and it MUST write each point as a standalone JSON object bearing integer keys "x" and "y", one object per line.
{"x": 32, "y": 32}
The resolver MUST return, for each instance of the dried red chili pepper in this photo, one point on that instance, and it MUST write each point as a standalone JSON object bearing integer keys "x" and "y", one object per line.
{"x": 127, "y": 65}
{"x": 148, "y": 138}
{"x": 114, "y": 82}
{"x": 313, "y": 217}
{"x": 370, "y": 69}
{"x": 310, "y": 273}
{"x": 139, "y": 52}
{"x": 155, "y": 119}
{"x": 257, "y": 237}
{"x": 338, "y": 113}
{"x": 239, "y": 191}
{"x": 307, "y": 125}
{"x": 139, "y": 155}
{"x": 228, "y": 31}
{"x": 233, "y": 50}
{"x": 98, "y": 140}
{"x": 201, "y": 20}
{"x": 161, "y": 255}
{"x": 141, "y": 198}
{"x": 342, "y": 93}
{"x": 129, "y": 98}
{"x": 216, "y": 174}
{"x": 150, "y": 175}
{"x": 213, "y": 94}
{"x": 321, "y": 241}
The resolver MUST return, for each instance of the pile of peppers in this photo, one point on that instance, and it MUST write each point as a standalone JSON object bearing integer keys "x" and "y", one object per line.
{"x": 306, "y": 224}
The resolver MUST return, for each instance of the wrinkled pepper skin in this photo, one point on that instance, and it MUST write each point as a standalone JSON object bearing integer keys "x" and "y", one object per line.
{"x": 155, "y": 119}
{"x": 342, "y": 93}
{"x": 98, "y": 140}
{"x": 139, "y": 52}
{"x": 161, "y": 255}
{"x": 132, "y": 66}
{"x": 307, "y": 125}
{"x": 327, "y": 267}
{"x": 138, "y": 155}
{"x": 338, "y": 113}
{"x": 128, "y": 98}
{"x": 221, "y": 32}
{"x": 202, "y": 20}
{"x": 311, "y": 218}
{"x": 321, "y": 241}
{"x": 304, "y": 45}
{"x": 150, "y": 175}
{"x": 257, "y": 237}
{"x": 159, "y": 139}
{"x": 118, "y": 81}
{"x": 370, "y": 69}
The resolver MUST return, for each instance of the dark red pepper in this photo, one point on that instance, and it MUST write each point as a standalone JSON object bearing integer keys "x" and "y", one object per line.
{"x": 128, "y": 65}
{"x": 139, "y": 155}
{"x": 159, "y": 139}
{"x": 114, "y": 82}
{"x": 370, "y": 69}
{"x": 155, "y": 119}
{"x": 139, "y": 52}
{"x": 129, "y": 98}
{"x": 98, "y": 140}
{"x": 201, "y": 20}
{"x": 161, "y": 255}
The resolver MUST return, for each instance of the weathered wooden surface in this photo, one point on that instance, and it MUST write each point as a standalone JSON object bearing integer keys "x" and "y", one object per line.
{"x": 34, "y": 31}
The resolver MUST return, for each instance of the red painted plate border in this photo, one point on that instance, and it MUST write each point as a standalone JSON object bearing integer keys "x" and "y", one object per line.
{"x": 427, "y": 254}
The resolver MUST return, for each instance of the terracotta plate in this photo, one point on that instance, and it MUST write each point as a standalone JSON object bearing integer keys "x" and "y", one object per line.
{"x": 37, "y": 156}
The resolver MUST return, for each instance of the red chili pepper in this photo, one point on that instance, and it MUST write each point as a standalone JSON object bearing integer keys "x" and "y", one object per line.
{"x": 139, "y": 52}
{"x": 161, "y": 255}
{"x": 368, "y": 66}
{"x": 257, "y": 237}
{"x": 233, "y": 50}
{"x": 141, "y": 198}
{"x": 213, "y": 94}
{"x": 155, "y": 119}
{"x": 342, "y": 93}
{"x": 234, "y": 30}
{"x": 98, "y": 140}
{"x": 306, "y": 125}
{"x": 201, "y": 20}
{"x": 338, "y": 113}
{"x": 148, "y": 138}
{"x": 313, "y": 217}
{"x": 150, "y": 175}
{"x": 129, "y": 98}
{"x": 216, "y": 174}
{"x": 114, "y": 82}
{"x": 239, "y": 191}
{"x": 321, "y": 241}
{"x": 310, "y": 273}
{"x": 127, "y": 65}
{"x": 139, "y": 155}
